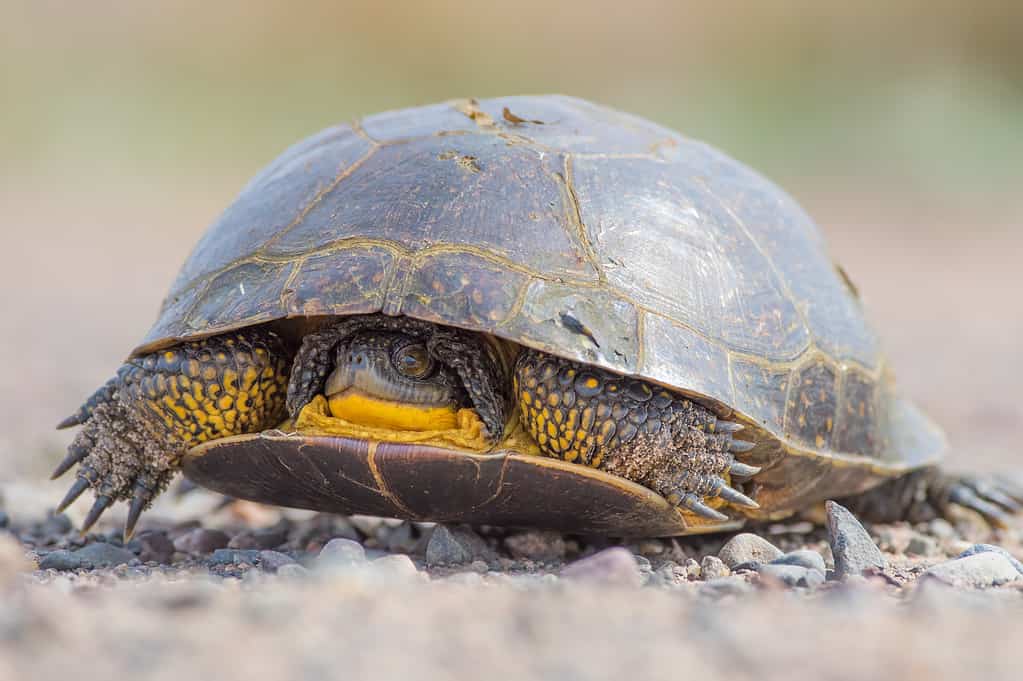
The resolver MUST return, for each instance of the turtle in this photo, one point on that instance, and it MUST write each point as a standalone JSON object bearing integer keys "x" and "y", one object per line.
{"x": 523, "y": 311}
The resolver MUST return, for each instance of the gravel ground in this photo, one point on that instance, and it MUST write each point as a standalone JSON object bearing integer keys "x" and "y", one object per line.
{"x": 244, "y": 591}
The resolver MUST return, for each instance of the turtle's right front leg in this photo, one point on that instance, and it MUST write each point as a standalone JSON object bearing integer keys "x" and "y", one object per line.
{"x": 139, "y": 424}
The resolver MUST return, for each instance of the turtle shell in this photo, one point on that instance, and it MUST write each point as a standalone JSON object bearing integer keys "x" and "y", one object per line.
{"x": 583, "y": 232}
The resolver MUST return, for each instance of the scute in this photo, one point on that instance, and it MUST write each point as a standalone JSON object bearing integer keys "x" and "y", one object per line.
{"x": 574, "y": 229}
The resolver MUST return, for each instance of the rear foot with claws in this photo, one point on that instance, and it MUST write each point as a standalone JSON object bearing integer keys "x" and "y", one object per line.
{"x": 994, "y": 498}
{"x": 928, "y": 493}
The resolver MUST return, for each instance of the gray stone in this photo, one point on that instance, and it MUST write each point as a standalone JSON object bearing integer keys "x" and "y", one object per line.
{"x": 811, "y": 560}
{"x": 977, "y": 571}
{"x": 274, "y": 560}
{"x": 792, "y": 575}
{"x": 292, "y": 571}
{"x": 942, "y": 529}
{"x": 725, "y": 586}
{"x": 746, "y": 547}
{"x": 233, "y": 557}
{"x": 456, "y": 546}
{"x": 266, "y": 538}
{"x": 201, "y": 541}
{"x": 712, "y": 567}
{"x": 55, "y": 525}
{"x": 341, "y": 553}
{"x": 922, "y": 545}
{"x": 853, "y": 549}
{"x": 397, "y": 566}
{"x": 536, "y": 545}
{"x": 991, "y": 548}
{"x": 615, "y": 566}
{"x": 5, "y": 519}
{"x": 61, "y": 560}
{"x": 154, "y": 546}
{"x": 101, "y": 554}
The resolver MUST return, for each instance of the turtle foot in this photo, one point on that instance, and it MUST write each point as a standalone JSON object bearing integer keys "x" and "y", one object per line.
{"x": 994, "y": 498}
{"x": 117, "y": 460}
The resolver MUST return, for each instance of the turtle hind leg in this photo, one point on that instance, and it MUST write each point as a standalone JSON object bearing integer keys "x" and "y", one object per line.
{"x": 137, "y": 427}
{"x": 929, "y": 493}
{"x": 633, "y": 429}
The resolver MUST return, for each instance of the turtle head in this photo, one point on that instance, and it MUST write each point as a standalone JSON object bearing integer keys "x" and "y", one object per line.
{"x": 389, "y": 379}
{"x": 396, "y": 377}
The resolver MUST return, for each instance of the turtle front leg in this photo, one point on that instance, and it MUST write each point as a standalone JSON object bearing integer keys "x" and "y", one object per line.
{"x": 139, "y": 424}
{"x": 930, "y": 492}
{"x": 630, "y": 428}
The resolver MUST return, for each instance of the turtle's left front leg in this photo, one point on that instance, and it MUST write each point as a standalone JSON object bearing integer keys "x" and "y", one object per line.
{"x": 630, "y": 428}
{"x": 139, "y": 424}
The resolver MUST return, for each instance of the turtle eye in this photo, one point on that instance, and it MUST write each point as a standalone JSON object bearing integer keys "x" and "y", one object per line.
{"x": 413, "y": 361}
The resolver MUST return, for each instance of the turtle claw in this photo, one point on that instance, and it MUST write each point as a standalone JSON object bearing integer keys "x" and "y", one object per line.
{"x": 727, "y": 427}
{"x": 963, "y": 495}
{"x": 98, "y": 507}
{"x": 138, "y": 504}
{"x": 740, "y": 446}
{"x": 75, "y": 454}
{"x": 80, "y": 484}
{"x": 736, "y": 498}
{"x": 741, "y": 470}
{"x": 694, "y": 504}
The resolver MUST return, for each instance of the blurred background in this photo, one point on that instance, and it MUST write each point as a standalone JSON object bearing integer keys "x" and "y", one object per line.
{"x": 126, "y": 127}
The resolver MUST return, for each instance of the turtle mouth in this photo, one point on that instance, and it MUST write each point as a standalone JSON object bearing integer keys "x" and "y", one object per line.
{"x": 357, "y": 406}
{"x": 354, "y": 415}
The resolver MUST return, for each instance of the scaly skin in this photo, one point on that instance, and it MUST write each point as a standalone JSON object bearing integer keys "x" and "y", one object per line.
{"x": 138, "y": 425}
{"x": 630, "y": 428}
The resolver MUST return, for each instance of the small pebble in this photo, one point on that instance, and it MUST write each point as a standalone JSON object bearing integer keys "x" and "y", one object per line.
{"x": 853, "y": 549}
{"x": 725, "y": 586}
{"x": 922, "y": 545}
{"x": 712, "y": 567}
{"x": 536, "y": 545}
{"x": 101, "y": 554}
{"x": 154, "y": 546}
{"x": 792, "y": 575}
{"x": 274, "y": 560}
{"x": 991, "y": 548}
{"x": 341, "y": 553}
{"x": 615, "y": 566}
{"x": 941, "y": 528}
{"x": 746, "y": 547}
{"x": 266, "y": 538}
{"x": 233, "y": 557}
{"x": 456, "y": 546}
{"x": 201, "y": 541}
{"x": 396, "y": 566}
{"x": 292, "y": 571}
{"x": 54, "y": 526}
{"x": 811, "y": 560}
{"x": 977, "y": 571}
{"x": 61, "y": 560}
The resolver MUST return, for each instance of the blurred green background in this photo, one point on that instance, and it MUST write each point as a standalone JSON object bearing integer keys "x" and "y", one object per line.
{"x": 927, "y": 92}
{"x": 126, "y": 127}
